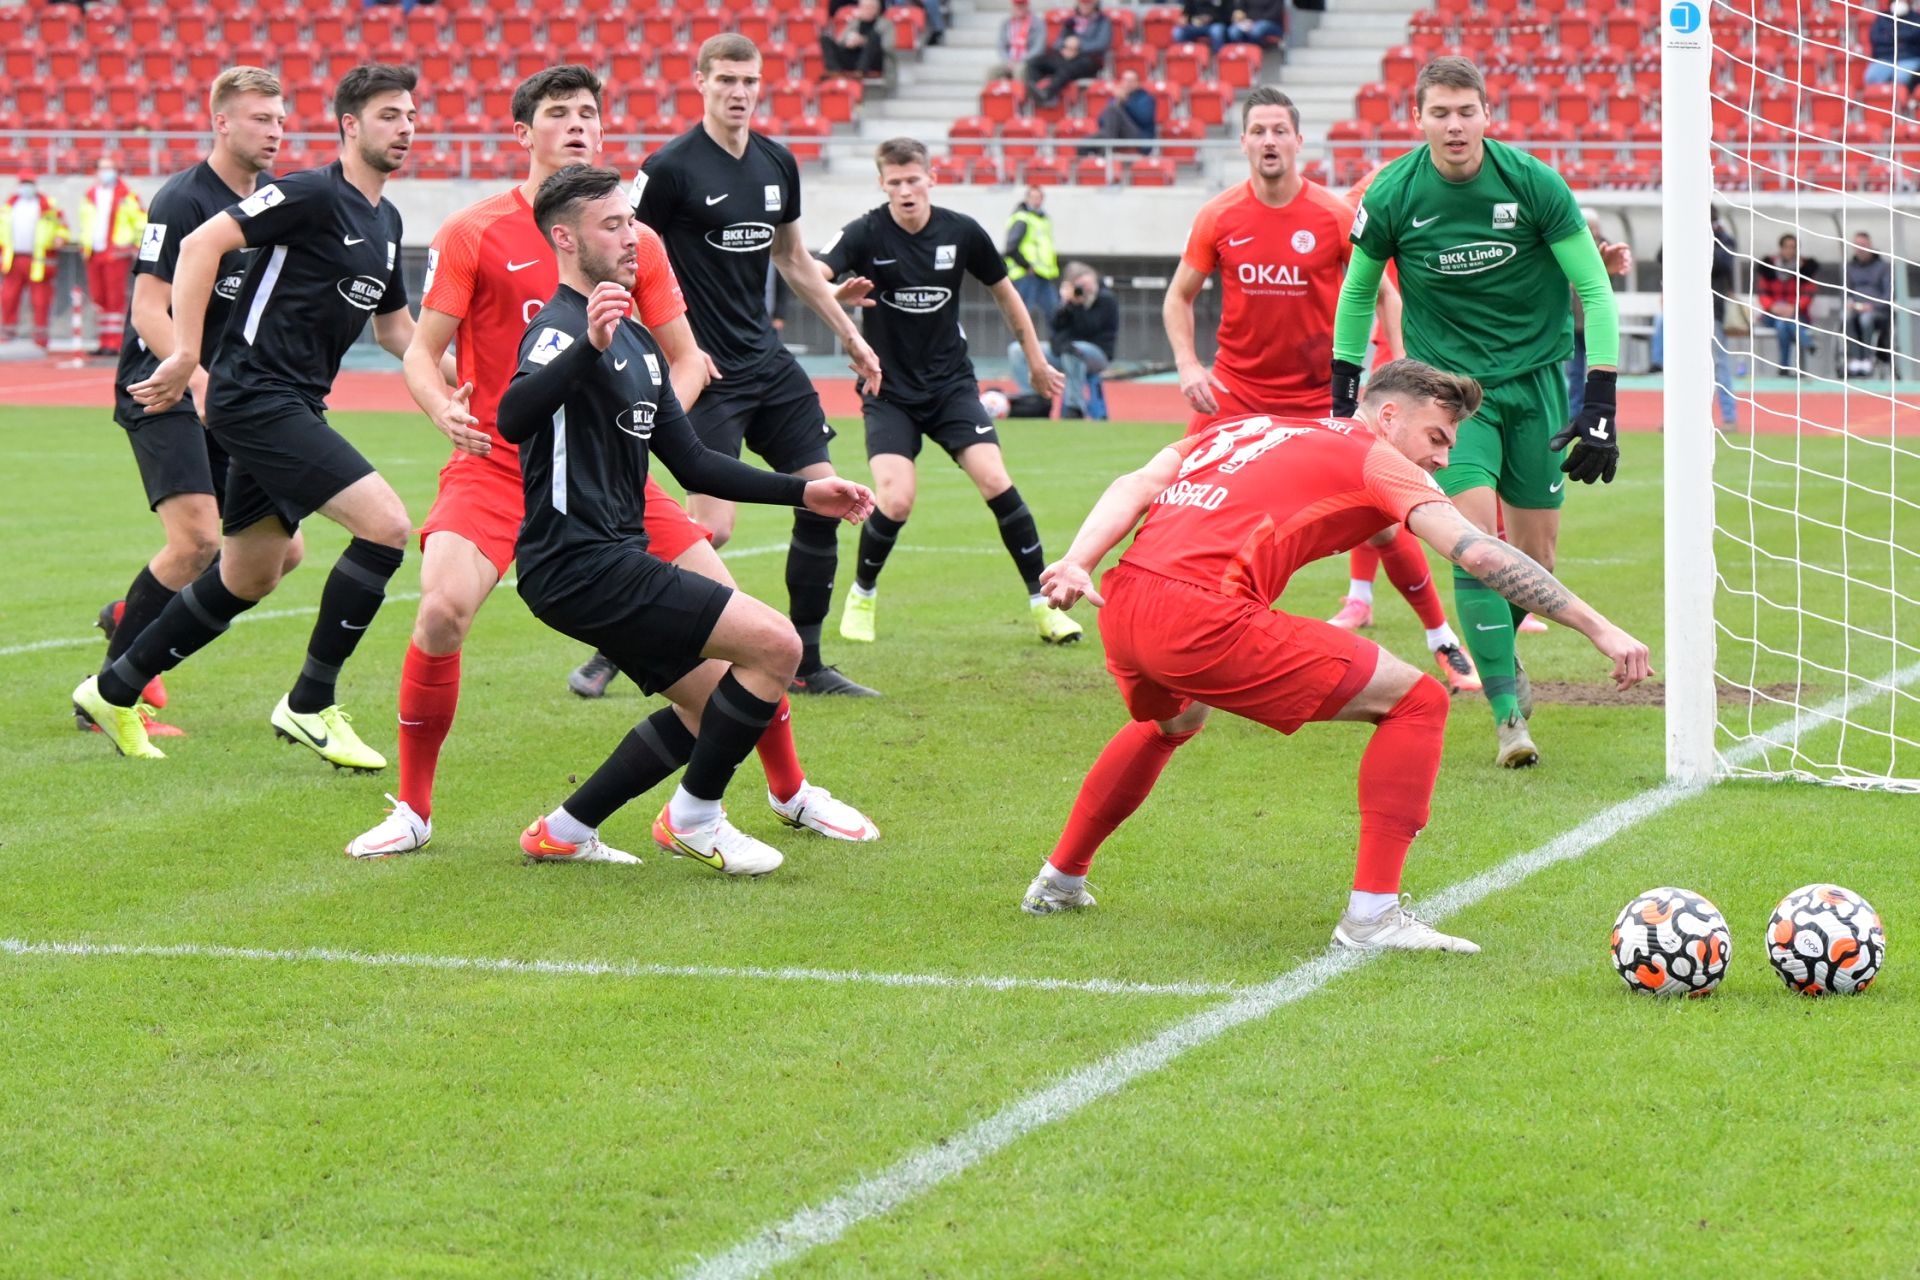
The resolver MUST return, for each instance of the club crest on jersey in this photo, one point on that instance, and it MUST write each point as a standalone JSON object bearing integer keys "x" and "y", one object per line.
{"x": 262, "y": 200}
{"x": 1506, "y": 215}
{"x": 741, "y": 237}
{"x": 919, "y": 300}
{"x": 637, "y": 421}
{"x": 152, "y": 240}
{"x": 363, "y": 292}
{"x": 653, "y": 366}
{"x": 1303, "y": 241}
{"x": 1471, "y": 259}
{"x": 943, "y": 257}
{"x": 773, "y": 197}
{"x": 549, "y": 344}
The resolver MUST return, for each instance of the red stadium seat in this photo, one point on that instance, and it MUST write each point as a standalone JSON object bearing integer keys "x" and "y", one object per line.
{"x": 1126, "y": 26}
{"x": 999, "y": 100}
{"x": 676, "y": 61}
{"x": 1153, "y": 171}
{"x": 1827, "y": 111}
{"x": 1079, "y": 129}
{"x": 1399, "y": 66}
{"x": 516, "y": 29}
{"x": 1093, "y": 171}
{"x": 756, "y": 25}
{"x": 487, "y": 67}
{"x": 33, "y": 104}
{"x": 704, "y": 26}
{"x": 1173, "y": 131}
{"x": 1375, "y": 103}
{"x": 1020, "y": 140}
{"x": 1239, "y": 65}
{"x": 470, "y": 30}
{"x": 950, "y": 171}
{"x": 662, "y": 28}
{"x": 1525, "y": 106}
{"x": 1045, "y": 173}
{"x": 124, "y": 97}
{"x": 1573, "y": 105}
{"x": 908, "y": 24}
{"x": 804, "y": 133}
{"x": 627, "y": 63}
{"x": 985, "y": 172}
{"x": 967, "y": 137}
{"x": 13, "y": 25}
{"x": 1097, "y": 97}
{"x": 563, "y": 30}
{"x": 687, "y": 101}
{"x": 641, "y": 98}
{"x": 239, "y": 27}
{"x": 1186, "y": 63}
{"x": 789, "y": 101}
{"x": 839, "y": 96}
{"x": 1208, "y": 102}
{"x": 1625, "y": 30}
{"x": 144, "y": 30}
{"x": 1138, "y": 61}
{"x": 1157, "y": 24}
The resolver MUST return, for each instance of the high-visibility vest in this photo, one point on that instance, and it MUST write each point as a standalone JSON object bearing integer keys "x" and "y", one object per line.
{"x": 1036, "y": 246}
{"x": 49, "y": 234}
{"x": 129, "y": 221}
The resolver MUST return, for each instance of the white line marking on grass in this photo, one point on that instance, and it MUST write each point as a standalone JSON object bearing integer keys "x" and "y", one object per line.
{"x": 773, "y": 548}
{"x": 596, "y": 969}
{"x": 882, "y": 1192}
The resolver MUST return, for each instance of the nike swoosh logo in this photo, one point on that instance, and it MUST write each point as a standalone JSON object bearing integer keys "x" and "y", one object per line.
{"x": 1481, "y": 626}
{"x": 884, "y": 262}
{"x": 980, "y": 431}
{"x": 548, "y": 846}
{"x": 413, "y": 724}
{"x": 348, "y": 626}
{"x": 353, "y": 240}
{"x": 1235, "y": 244}
{"x": 522, "y": 266}
{"x": 871, "y": 564}
{"x": 717, "y": 199}
{"x": 1421, "y": 222}
{"x": 618, "y": 365}
{"x": 1555, "y": 488}
{"x": 1027, "y": 551}
{"x": 387, "y": 844}
{"x": 177, "y": 655}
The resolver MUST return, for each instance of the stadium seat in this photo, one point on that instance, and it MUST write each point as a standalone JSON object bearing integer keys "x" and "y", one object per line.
{"x": 488, "y": 66}
{"x": 1000, "y": 100}
{"x": 1152, "y": 171}
{"x": 687, "y": 101}
{"x": 1126, "y": 26}
{"x": 562, "y": 29}
{"x": 1208, "y": 102}
{"x": 839, "y": 96}
{"x": 967, "y": 137}
{"x": 1573, "y": 105}
{"x": 676, "y": 61}
{"x": 1097, "y": 96}
{"x": 627, "y": 63}
{"x": 641, "y": 98}
{"x": 1525, "y": 106}
{"x": 1045, "y": 172}
{"x": 1186, "y": 63}
{"x": 1157, "y": 24}
{"x": 1079, "y": 129}
{"x": 806, "y": 134}
{"x": 788, "y": 101}
{"x": 1020, "y": 140}
{"x": 756, "y": 25}
{"x": 1375, "y": 103}
{"x": 951, "y": 170}
{"x": 1093, "y": 171}
{"x": 1239, "y": 65}
{"x": 705, "y": 25}
{"x": 986, "y": 172}
{"x": 1138, "y": 61}
{"x": 1175, "y": 131}
{"x": 470, "y": 30}
{"x": 1399, "y": 66}
{"x": 909, "y": 23}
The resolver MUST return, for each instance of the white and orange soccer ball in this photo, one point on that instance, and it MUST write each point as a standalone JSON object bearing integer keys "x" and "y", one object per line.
{"x": 996, "y": 403}
{"x": 1826, "y": 940}
{"x": 1669, "y": 942}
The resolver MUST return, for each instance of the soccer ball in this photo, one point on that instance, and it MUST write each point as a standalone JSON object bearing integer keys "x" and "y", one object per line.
{"x": 1826, "y": 940}
{"x": 1668, "y": 942}
{"x": 996, "y": 403}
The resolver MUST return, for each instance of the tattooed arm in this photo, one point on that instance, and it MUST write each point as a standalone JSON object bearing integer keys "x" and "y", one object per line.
{"x": 1524, "y": 582}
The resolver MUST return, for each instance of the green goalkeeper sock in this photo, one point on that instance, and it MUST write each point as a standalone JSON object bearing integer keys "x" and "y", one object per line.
{"x": 1487, "y": 623}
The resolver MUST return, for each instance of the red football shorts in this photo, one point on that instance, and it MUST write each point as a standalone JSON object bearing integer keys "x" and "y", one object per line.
{"x": 1171, "y": 644}
{"x": 1235, "y": 406}
{"x": 482, "y": 501}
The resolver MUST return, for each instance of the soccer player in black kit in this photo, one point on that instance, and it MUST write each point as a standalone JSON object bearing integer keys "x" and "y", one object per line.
{"x": 590, "y": 401}
{"x": 327, "y": 255}
{"x": 908, "y": 261}
{"x": 726, "y": 201}
{"x": 182, "y": 468}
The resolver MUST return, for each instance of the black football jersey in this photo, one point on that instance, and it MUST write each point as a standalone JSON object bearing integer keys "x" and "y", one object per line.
{"x": 717, "y": 217}
{"x": 325, "y": 260}
{"x": 915, "y": 328}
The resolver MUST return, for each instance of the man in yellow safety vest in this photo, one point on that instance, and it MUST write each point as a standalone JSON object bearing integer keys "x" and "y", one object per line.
{"x": 112, "y": 220}
{"x": 1031, "y": 263}
{"x": 32, "y": 231}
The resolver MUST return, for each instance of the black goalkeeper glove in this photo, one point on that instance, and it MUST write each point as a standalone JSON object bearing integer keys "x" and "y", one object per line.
{"x": 1346, "y": 388}
{"x": 1594, "y": 432}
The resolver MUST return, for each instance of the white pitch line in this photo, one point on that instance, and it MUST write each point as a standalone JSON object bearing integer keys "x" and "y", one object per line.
{"x": 882, "y": 1192}
{"x": 597, "y": 969}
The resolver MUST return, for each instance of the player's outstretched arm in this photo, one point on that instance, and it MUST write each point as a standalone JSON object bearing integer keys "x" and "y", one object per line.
{"x": 1523, "y": 581}
{"x": 1197, "y": 382}
{"x": 193, "y": 280}
{"x": 1047, "y": 380}
{"x": 1113, "y": 517}
{"x": 1352, "y": 327}
{"x": 801, "y": 270}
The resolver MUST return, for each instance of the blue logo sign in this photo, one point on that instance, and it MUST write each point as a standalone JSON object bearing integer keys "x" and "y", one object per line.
{"x": 1684, "y": 17}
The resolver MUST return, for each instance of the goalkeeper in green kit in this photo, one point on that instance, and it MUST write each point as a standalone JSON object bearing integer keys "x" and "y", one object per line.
{"x": 1487, "y": 239}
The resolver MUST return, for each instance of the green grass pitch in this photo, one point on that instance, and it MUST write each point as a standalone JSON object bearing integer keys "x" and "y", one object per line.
{"x": 1514, "y": 1113}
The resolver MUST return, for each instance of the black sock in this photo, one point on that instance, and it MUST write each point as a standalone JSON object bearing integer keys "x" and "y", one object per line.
{"x": 146, "y": 599}
{"x": 353, "y": 595}
{"x": 733, "y": 721}
{"x": 877, "y": 537}
{"x": 1021, "y": 536}
{"x": 650, "y": 754}
{"x": 203, "y": 609}
{"x": 812, "y": 559}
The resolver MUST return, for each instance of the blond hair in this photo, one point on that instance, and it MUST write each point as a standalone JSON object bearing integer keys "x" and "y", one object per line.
{"x": 1455, "y": 396}
{"x": 234, "y": 81}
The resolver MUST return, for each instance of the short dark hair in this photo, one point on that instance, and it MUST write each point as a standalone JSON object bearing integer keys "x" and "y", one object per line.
{"x": 555, "y": 82}
{"x": 900, "y": 151}
{"x": 1458, "y": 397}
{"x": 728, "y": 46}
{"x": 560, "y": 195}
{"x": 366, "y": 82}
{"x": 1267, "y": 96}
{"x": 1448, "y": 72}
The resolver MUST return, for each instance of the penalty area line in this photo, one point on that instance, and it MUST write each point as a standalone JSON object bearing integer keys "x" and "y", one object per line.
{"x": 923, "y": 1170}
{"x": 599, "y": 969}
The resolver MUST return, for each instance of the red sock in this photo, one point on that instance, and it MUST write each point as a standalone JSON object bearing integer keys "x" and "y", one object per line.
{"x": 779, "y": 757}
{"x": 429, "y": 693}
{"x": 1397, "y": 773}
{"x": 1116, "y": 785}
{"x": 1407, "y": 570}
{"x": 1363, "y": 562}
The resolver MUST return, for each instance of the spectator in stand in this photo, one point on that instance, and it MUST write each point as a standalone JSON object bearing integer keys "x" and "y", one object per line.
{"x": 1785, "y": 285}
{"x": 1022, "y": 34}
{"x": 936, "y": 11}
{"x": 1261, "y": 22}
{"x": 1031, "y": 262}
{"x": 1893, "y": 42}
{"x": 1079, "y": 54}
{"x": 1869, "y": 307}
{"x": 32, "y": 233}
{"x": 1086, "y": 333}
{"x": 112, "y": 220}
{"x": 858, "y": 41}
{"x": 1132, "y": 115}
{"x": 1721, "y": 279}
{"x": 1203, "y": 20}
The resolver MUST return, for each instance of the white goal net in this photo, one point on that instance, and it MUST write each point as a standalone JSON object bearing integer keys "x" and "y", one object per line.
{"x": 1792, "y": 395}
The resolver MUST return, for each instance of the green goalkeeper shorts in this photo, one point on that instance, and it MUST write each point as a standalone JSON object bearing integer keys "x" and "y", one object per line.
{"x": 1504, "y": 446}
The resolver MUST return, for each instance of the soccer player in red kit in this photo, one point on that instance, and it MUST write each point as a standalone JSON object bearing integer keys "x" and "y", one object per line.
{"x": 1280, "y": 245}
{"x": 1230, "y": 515}
{"x": 488, "y": 272}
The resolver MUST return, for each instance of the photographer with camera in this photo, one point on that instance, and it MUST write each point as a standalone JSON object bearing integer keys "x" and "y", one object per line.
{"x": 1086, "y": 332}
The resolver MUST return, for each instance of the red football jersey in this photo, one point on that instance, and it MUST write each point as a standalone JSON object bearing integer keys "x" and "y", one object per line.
{"x": 1280, "y": 275}
{"x": 492, "y": 269}
{"x": 1257, "y": 497}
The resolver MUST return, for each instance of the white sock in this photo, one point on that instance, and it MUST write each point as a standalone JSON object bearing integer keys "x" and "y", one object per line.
{"x": 1360, "y": 589}
{"x": 565, "y": 826}
{"x": 1061, "y": 879}
{"x": 688, "y": 813}
{"x": 863, "y": 593}
{"x": 1369, "y": 906}
{"x": 1441, "y": 636}
{"x": 1037, "y": 600}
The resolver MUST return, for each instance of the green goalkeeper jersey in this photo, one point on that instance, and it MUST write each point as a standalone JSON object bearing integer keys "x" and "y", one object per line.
{"x": 1484, "y": 294}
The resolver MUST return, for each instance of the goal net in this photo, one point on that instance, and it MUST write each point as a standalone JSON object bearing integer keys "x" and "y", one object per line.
{"x": 1792, "y": 410}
